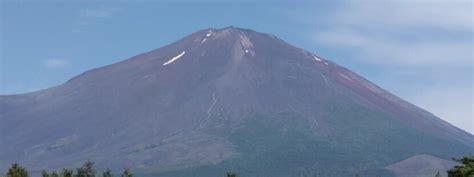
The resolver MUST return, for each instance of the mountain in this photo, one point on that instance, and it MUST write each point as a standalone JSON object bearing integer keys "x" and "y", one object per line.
{"x": 421, "y": 165}
{"x": 223, "y": 100}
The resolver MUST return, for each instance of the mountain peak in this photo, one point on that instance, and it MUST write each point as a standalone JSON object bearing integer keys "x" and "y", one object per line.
{"x": 232, "y": 28}
{"x": 217, "y": 99}
{"x": 231, "y": 31}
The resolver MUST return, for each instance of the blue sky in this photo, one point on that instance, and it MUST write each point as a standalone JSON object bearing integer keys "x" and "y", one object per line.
{"x": 419, "y": 50}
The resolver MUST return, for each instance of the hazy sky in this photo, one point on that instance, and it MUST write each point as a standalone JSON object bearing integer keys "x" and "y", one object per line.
{"x": 419, "y": 50}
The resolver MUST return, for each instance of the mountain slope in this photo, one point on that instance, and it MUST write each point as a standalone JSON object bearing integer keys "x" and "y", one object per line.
{"x": 222, "y": 99}
{"x": 422, "y": 165}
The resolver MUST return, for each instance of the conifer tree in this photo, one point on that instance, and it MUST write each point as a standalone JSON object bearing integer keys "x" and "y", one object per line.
{"x": 44, "y": 173}
{"x": 466, "y": 169}
{"x": 231, "y": 175}
{"x": 66, "y": 173}
{"x": 87, "y": 170}
{"x": 107, "y": 173}
{"x": 17, "y": 171}
{"x": 127, "y": 173}
{"x": 54, "y": 174}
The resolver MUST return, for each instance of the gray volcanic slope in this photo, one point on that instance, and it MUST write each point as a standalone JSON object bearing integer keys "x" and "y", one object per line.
{"x": 220, "y": 100}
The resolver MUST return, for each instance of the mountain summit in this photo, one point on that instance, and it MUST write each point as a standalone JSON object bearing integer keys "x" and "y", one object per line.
{"x": 220, "y": 100}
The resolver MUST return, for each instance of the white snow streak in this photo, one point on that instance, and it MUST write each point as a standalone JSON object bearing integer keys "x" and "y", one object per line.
{"x": 174, "y": 58}
{"x": 316, "y": 58}
{"x": 246, "y": 51}
{"x": 207, "y": 35}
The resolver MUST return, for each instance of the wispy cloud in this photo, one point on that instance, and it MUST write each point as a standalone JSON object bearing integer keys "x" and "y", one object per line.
{"x": 431, "y": 41}
{"x": 55, "y": 63}
{"x": 404, "y": 14}
{"x": 88, "y": 15}
{"x": 403, "y": 32}
{"x": 98, "y": 12}
{"x": 388, "y": 49}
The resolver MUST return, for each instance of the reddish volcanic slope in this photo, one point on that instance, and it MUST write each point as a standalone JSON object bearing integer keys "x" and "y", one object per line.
{"x": 222, "y": 99}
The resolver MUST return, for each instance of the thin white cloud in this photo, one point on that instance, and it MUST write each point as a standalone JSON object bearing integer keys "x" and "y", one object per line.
{"x": 403, "y": 32}
{"x": 430, "y": 40}
{"x": 98, "y": 12}
{"x": 54, "y": 63}
{"x": 392, "y": 50}
{"x": 450, "y": 15}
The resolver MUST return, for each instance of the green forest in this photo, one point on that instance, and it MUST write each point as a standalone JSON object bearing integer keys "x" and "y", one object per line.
{"x": 465, "y": 169}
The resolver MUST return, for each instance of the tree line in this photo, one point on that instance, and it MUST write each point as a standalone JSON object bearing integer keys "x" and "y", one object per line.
{"x": 86, "y": 170}
{"x": 465, "y": 169}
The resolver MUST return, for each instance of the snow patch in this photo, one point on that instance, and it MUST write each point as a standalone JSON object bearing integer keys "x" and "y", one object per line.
{"x": 246, "y": 44}
{"x": 320, "y": 60}
{"x": 317, "y": 59}
{"x": 209, "y": 33}
{"x": 174, "y": 58}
